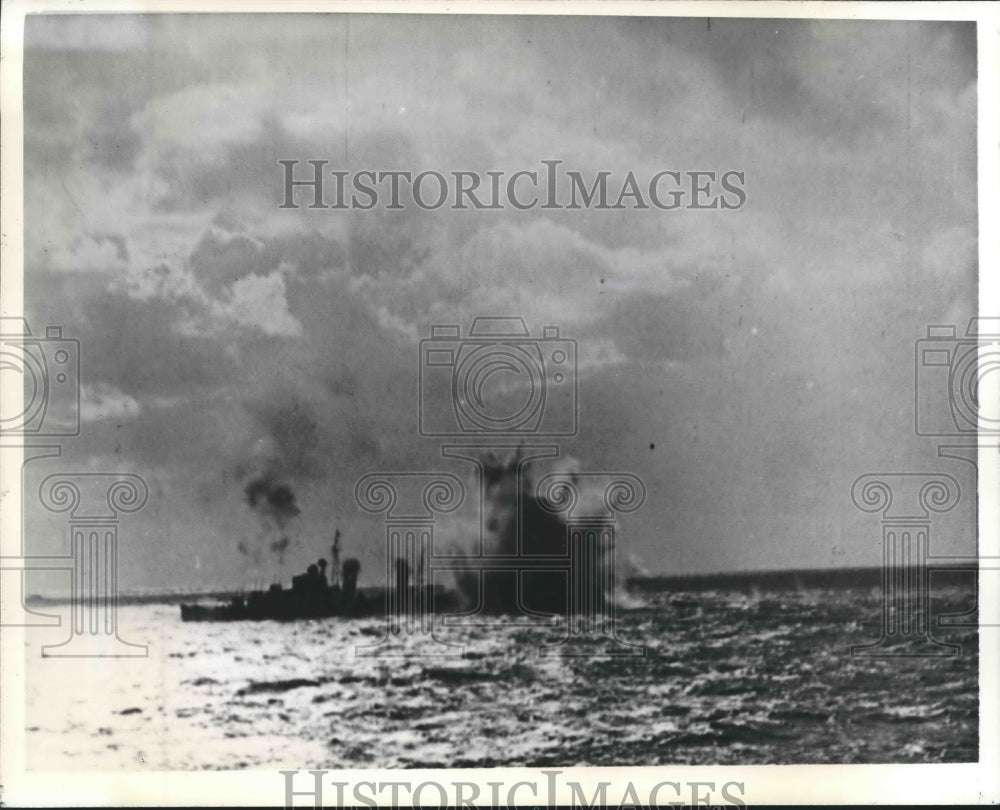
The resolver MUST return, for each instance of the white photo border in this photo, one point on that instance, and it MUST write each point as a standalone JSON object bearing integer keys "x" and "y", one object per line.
{"x": 977, "y": 783}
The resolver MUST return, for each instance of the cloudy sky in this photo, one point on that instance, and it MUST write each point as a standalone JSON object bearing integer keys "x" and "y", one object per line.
{"x": 747, "y": 364}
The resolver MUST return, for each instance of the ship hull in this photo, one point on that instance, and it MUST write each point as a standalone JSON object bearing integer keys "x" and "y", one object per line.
{"x": 289, "y": 605}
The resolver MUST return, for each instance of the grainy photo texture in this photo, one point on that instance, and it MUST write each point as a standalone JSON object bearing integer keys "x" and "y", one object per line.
{"x": 472, "y": 391}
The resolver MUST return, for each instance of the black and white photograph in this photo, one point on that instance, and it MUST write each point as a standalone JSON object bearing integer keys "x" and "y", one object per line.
{"x": 541, "y": 387}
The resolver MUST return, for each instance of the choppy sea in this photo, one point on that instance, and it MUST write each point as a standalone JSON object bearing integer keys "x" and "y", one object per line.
{"x": 726, "y": 678}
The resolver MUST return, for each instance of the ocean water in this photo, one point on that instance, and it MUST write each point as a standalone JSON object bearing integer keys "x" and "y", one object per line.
{"x": 726, "y": 678}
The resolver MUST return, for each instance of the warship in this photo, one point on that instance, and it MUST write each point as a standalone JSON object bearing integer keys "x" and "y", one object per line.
{"x": 555, "y": 570}
{"x": 315, "y": 596}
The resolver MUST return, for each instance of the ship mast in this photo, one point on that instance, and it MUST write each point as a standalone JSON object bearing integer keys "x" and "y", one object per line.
{"x": 335, "y": 561}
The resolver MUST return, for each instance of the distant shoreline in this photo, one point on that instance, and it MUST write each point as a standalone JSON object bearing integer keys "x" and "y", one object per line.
{"x": 777, "y": 580}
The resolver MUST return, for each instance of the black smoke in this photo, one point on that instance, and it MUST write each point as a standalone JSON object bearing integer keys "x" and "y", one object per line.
{"x": 517, "y": 522}
{"x": 273, "y": 502}
{"x": 279, "y": 547}
{"x": 284, "y": 452}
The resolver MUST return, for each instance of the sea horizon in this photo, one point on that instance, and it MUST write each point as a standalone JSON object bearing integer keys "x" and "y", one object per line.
{"x": 781, "y": 579}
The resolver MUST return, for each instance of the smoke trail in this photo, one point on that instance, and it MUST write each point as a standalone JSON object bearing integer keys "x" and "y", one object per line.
{"x": 518, "y": 522}
{"x": 280, "y": 546}
{"x": 273, "y": 501}
{"x": 285, "y": 449}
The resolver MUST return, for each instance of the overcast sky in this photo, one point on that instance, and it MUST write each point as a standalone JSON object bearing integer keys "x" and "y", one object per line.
{"x": 747, "y": 364}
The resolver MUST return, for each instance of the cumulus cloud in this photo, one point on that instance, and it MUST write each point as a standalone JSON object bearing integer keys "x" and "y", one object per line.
{"x": 103, "y": 401}
{"x": 259, "y": 302}
{"x": 215, "y": 325}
